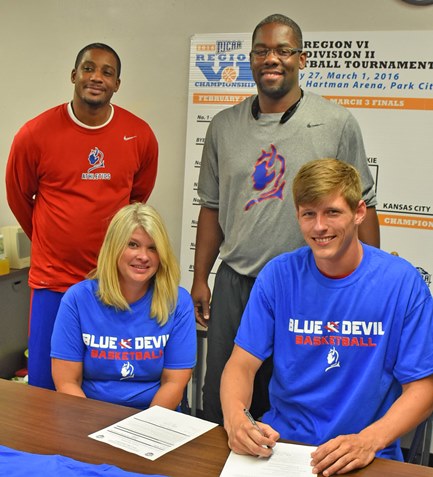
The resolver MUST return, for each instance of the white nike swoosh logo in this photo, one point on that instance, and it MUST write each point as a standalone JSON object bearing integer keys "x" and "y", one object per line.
{"x": 128, "y": 138}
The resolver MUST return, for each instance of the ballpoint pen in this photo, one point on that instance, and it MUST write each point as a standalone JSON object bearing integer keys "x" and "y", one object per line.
{"x": 254, "y": 423}
{"x": 252, "y": 420}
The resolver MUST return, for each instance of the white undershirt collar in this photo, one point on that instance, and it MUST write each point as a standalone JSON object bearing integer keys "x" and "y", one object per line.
{"x": 77, "y": 121}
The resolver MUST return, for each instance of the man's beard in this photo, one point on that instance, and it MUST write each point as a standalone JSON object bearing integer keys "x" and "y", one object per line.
{"x": 95, "y": 102}
{"x": 277, "y": 91}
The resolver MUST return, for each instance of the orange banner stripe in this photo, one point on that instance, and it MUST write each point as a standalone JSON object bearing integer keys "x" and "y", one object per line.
{"x": 218, "y": 98}
{"x": 372, "y": 102}
{"x": 367, "y": 102}
{"x": 408, "y": 221}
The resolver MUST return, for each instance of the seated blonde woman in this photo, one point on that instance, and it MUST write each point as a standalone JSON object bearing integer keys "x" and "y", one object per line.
{"x": 127, "y": 334}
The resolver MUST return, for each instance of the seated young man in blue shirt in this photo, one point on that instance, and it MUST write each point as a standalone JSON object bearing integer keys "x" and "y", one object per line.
{"x": 350, "y": 328}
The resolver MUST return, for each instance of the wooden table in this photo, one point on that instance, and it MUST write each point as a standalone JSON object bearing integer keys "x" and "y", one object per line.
{"x": 45, "y": 422}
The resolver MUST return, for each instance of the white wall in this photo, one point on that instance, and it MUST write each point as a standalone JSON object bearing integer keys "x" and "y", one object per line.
{"x": 40, "y": 39}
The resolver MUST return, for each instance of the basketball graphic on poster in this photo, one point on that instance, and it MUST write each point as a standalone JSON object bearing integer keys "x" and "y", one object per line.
{"x": 229, "y": 74}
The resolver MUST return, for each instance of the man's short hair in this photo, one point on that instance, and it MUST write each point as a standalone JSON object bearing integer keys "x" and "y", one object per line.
{"x": 98, "y": 46}
{"x": 282, "y": 20}
{"x": 319, "y": 178}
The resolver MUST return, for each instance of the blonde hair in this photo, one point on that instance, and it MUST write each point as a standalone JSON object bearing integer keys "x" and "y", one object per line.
{"x": 321, "y": 177}
{"x": 166, "y": 279}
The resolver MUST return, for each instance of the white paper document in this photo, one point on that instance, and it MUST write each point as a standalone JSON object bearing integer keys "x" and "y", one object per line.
{"x": 289, "y": 460}
{"x": 153, "y": 432}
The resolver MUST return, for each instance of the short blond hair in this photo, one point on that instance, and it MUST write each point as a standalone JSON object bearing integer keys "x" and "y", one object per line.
{"x": 319, "y": 178}
{"x": 166, "y": 279}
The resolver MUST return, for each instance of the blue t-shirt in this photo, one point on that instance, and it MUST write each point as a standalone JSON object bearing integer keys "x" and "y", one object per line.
{"x": 123, "y": 352}
{"x": 16, "y": 464}
{"x": 342, "y": 347}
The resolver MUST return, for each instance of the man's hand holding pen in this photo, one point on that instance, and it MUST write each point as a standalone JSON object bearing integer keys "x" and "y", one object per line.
{"x": 246, "y": 436}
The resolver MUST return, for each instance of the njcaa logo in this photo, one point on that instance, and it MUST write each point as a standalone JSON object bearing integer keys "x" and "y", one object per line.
{"x": 222, "y": 66}
{"x": 225, "y": 46}
{"x": 96, "y": 161}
